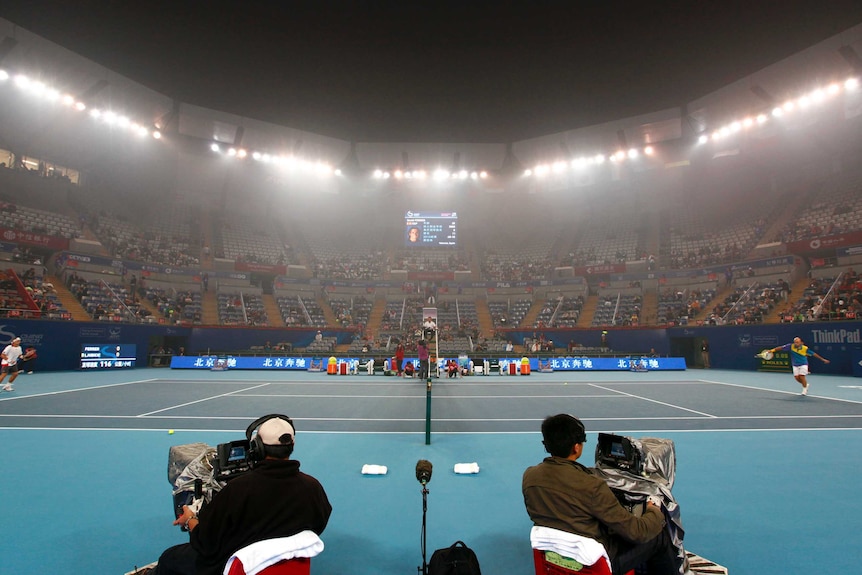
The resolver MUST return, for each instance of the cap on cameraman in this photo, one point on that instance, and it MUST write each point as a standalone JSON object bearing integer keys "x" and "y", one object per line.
{"x": 276, "y": 431}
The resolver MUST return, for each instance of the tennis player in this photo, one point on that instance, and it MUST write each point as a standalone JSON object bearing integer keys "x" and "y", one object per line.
{"x": 799, "y": 354}
{"x": 10, "y": 355}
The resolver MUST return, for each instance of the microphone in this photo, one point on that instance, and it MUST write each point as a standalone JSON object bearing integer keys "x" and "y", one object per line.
{"x": 423, "y": 471}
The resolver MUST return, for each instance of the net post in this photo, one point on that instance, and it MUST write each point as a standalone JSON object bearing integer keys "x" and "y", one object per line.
{"x": 428, "y": 410}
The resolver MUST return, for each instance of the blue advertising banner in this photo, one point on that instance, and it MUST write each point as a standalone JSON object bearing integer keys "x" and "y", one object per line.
{"x": 208, "y": 362}
{"x": 557, "y": 364}
{"x": 616, "y": 363}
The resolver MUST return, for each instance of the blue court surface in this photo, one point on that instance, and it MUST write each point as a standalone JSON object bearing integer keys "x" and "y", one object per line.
{"x": 765, "y": 478}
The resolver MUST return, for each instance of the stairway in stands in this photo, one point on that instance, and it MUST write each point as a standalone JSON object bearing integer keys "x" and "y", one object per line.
{"x": 529, "y": 319}
{"x": 375, "y": 317}
{"x": 649, "y": 307}
{"x": 588, "y": 312}
{"x": 273, "y": 312}
{"x": 209, "y": 308}
{"x": 328, "y": 314}
{"x": 486, "y": 323}
{"x": 69, "y": 301}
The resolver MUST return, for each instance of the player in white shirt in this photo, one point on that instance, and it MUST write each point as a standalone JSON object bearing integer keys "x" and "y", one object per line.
{"x": 10, "y": 356}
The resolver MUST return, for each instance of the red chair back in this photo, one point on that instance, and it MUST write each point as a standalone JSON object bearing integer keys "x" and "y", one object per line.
{"x": 297, "y": 566}
{"x": 544, "y": 567}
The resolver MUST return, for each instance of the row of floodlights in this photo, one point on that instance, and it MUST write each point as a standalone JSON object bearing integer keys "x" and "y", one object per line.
{"x": 289, "y": 162}
{"x": 41, "y": 90}
{"x": 322, "y": 168}
{"x": 439, "y": 174}
{"x": 815, "y": 97}
{"x": 584, "y": 161}
{"x": 804, "y": 102}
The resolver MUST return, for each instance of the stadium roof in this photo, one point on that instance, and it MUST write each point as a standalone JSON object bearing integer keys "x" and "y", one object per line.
{"x": 406, "y": 71}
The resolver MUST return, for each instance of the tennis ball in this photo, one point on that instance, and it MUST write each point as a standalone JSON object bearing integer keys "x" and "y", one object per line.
{"x": 170, "y": 432}
{"x": 567, "y": 383}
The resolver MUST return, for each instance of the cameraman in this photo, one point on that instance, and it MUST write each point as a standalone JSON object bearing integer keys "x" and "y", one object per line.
{"x": 274, "y": 499}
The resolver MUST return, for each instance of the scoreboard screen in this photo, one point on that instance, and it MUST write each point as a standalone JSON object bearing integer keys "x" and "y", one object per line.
{"x": 431, "y": 229}
{"x": 108, "y": 355}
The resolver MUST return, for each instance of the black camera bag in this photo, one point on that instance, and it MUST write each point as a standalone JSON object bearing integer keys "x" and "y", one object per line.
{"x": 455, "y": 560}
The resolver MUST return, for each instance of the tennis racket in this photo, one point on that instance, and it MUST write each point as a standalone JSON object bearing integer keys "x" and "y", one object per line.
{"x": 765, "y": 354}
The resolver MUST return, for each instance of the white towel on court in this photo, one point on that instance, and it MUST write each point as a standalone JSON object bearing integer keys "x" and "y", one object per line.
{"x": 466, "y": 468}
{"x": 369, "y": 469}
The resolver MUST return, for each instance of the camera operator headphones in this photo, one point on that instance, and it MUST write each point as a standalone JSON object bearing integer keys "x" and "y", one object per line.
{"x": 257, "y": 450}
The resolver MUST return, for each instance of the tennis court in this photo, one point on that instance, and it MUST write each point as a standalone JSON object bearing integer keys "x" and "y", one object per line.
{"x": 757, "y": 464}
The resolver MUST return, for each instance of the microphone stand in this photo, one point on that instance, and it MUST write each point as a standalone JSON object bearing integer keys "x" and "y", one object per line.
{"x": 423, "y": 569}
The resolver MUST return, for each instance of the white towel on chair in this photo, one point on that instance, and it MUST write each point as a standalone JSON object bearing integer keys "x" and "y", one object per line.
{"x": 369, "y": 469}
{"x": 258, "y": 556}
{"x": 582, "y": 549}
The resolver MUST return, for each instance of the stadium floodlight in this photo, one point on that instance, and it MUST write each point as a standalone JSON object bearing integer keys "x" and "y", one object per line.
{"x": 80, "y": 106}
{"x": 386, "y": 175}
{"x": 528, "y": 172}
{"x": 398, "y": 174}
{"x": 818, "y": 95}
{"x": 558, "y": 167}
{"x": 777, "y": 112}
{"x": 633, "y": 153}
{"x": 747, "y": 122}
{"x": 702, "y": 139}
{"x": 441, "y": 174}
{"x": 377, "y": 174}
{"x": 241, "y": 153}
{"x": 231, "y": 151}
{"x": 22, "y": 81}
{"x": 803, "y": 102}
{"x": 463, "y": 174}
{"x": 649, "y": 150}
{"x": 37, "y": 87}
{"x": 788, "y": 106}
{"x": 420, "y": 174}
{"x": 143, "y": 131}
{"x": 851, "y": 83}
{"x": 483, "y": 175}
{"x": 4, "y": 75}
{"x": 600, "y": 158}
{"x": 762, "y": 118}
{"x": 95, "y": 113}
{"x": 833, "y": 89}
{"x": 215, "y": 147}
{"x": 256, "y": 155}
{"x": 157, "y": 135}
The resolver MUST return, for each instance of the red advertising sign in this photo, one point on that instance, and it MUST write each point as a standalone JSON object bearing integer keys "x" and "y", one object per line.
{"x": 34, "y": 239}
{"x": 825, "y": 242}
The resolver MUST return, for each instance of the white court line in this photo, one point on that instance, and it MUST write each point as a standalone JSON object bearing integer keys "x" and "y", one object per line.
{"x": 246, "y": 418}
{"x": 420, "y": 433}
{"x": 200, "y": 400}
{"x": 48, "y": 393}
{"x": 782, "y": 391}
{"x": 655, "y": 401}
{"x": 436, "y": 398}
